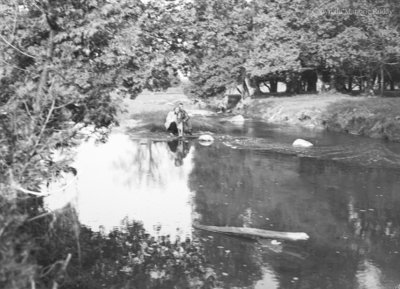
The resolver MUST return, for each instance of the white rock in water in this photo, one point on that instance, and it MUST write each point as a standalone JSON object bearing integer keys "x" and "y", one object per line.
{"x": 302, "y": 143}
{"x": 206, "y": 139}
{"x": 237, "y": 118}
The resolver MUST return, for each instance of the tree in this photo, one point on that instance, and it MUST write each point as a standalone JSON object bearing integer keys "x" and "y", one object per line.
{"x": 217, "y": 45}
{"x": 63, "y": 63}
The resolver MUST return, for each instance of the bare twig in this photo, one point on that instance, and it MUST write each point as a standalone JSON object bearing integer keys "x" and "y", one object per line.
{"x": 33, "y": 284}
{"x": 16, "y": 48}
{"x": 15, "y": 21}
{"x": 39, "y": 216}
{"x": 21, "y": 189}
{"x": 34, "y": 149}
{"x": 64, "y": 105}
{"x": 45, "y": 124}
{"x": 66, "y": 262}
{"x": 4, "y": 228}
{"x": 18, "y": 187}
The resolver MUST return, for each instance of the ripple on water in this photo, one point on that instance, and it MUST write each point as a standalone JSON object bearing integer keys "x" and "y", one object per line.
{"x": 375, "y": 154}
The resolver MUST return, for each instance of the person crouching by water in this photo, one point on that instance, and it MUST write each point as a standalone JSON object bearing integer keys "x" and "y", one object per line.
{"x": 178, "y": 121}
{"x": 184, "y": 118}
{"x": 171, "y": 122}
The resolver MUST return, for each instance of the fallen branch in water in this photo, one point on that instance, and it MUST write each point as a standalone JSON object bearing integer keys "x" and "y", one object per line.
{"x": 253, "y": 233}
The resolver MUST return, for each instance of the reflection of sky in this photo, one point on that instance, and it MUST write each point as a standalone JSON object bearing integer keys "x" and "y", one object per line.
{"x": 370, "y": 276}
{"x": 268, "y": 280}
{"x": 138, "y": 180}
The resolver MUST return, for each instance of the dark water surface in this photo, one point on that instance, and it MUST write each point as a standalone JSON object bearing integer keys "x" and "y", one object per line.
{"x": 344, "y": 193}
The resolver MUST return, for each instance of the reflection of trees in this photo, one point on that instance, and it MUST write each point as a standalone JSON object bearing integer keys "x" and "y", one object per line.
{"x": 144, "y": 162}
{"x": 236, "y": 261}
{"x": 127, "y": 257}
{"x": 303, "y": 194}
{"x": 371, "y": 196}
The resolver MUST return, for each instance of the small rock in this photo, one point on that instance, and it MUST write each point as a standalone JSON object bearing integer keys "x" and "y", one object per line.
{"x": 237, "y": 119}
{"x": 206, "y": 139}
{"x": 302, "y": 143}
{"x": 275, "y": 242}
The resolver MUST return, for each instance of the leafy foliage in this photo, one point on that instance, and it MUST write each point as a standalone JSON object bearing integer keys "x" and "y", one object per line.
{"x": 67, "y": 62}
{"x": 64, "y": 63}
{"x": 287, "y": 40}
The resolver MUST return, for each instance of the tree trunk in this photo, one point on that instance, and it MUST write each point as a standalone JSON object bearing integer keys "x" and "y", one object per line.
{"x": 369, "y": 88}
{"x": 350, "y": 84}
{"x": 321, "y": 84}
{"x": 361, "y": 84}
{"x": 379, "y": 80}
{"x": 382, "y": 84}
{"x": 311, "y": 85}
{"x": 41, "y": 90}
{"x": 250, "y": 89}
{"x": 243, "y": 90}
{"x": 273, "y": 86}
{"x": 293, "y": 85}
{"x": 340, "y": 83}
{"x": 391, "y": 82}
{"x": 332, "y": 82}
{"x": 311, "y": 78}
{"x": 257, "y": 90}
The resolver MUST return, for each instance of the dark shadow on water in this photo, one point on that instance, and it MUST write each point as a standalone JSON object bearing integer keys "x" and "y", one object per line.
{"x": 349, "y": 211}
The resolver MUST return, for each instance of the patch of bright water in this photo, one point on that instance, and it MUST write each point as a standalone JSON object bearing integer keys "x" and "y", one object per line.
{"x": 139, "y": 180}
{"x": 349, "y": 210}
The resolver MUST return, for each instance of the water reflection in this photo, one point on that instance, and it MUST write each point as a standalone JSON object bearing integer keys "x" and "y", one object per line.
{"x": 180, "y": 148}
{"x": 350, "y": 212}
{"x": 142, "y": 180}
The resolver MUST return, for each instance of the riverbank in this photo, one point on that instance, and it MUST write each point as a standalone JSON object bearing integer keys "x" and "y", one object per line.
{"x": 372, "y": 117}
{"x": 365, "y": 116}
{"x": 149, "y": 109}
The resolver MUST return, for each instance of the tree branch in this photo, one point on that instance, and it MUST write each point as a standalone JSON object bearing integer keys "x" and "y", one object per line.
{"x": 29, "y": 192}
{"x": 45, "y": 123}
{"x": 16, "y": 48}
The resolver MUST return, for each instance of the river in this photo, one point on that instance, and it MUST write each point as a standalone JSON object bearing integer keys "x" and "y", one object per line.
{"x": 344, "y": 193}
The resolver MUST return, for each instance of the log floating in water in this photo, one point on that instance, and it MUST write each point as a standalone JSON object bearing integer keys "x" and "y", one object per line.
{"x": 253, "y": 233}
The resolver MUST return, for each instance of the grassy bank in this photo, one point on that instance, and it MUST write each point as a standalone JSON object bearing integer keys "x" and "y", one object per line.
{"x": 372, "y": 117}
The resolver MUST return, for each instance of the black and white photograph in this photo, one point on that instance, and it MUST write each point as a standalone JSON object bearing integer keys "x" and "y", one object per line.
{"x": 199, "y": 144}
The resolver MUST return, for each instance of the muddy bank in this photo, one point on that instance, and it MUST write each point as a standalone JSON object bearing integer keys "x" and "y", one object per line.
{"x": 372, "y": 117}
